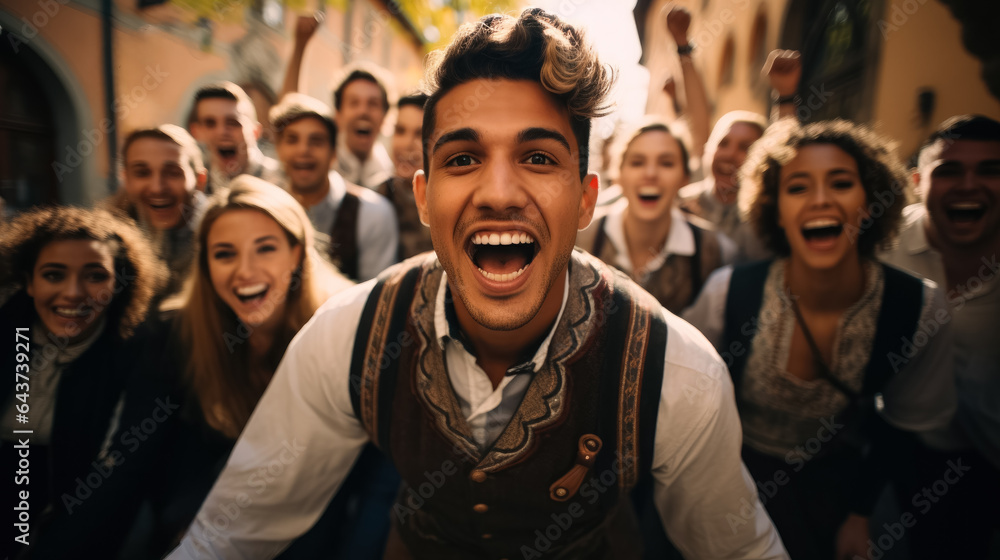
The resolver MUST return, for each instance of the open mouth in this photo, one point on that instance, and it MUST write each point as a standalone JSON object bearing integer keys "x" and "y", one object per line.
{"x": 158, "y": 205}
{"x": 303, "y": 166}
{"x": 72, "y": 312}
{"x": 965, "y": 211}
{"x": 365, "y": 130}
{"x": 251, "y": 294}
{"x": 227, "y": 152}
{"x": 649, "y": 195}
{"x": 502, "y": 256}
{"x": 822, "y": 230}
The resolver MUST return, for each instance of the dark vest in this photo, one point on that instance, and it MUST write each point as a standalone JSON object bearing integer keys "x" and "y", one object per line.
{"x": 538, "y": 491}
{"x": 344, "y": 234}
{"x": 902, "y": 301}
{"x": 678, "y": 282}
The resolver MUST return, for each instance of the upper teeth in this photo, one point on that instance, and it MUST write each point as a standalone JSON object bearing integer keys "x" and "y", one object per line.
{"x": 821, "y": 222}
{"x": 251, "y": 290}
{"x": 506, "y": 238}
{"x": 71, "y": 312}
{"x": 966, "y": 205}
{"x": 649, "y": 191}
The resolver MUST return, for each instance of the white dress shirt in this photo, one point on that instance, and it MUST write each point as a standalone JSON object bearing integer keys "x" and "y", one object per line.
{"x": 303, "y": 438}
{"x": 369, "y": 173}
{"x": 680, "y": 241}
{"x": 975, "y": 309}
{"x": 258, "y": 165}
{"x": 378, "y": 232}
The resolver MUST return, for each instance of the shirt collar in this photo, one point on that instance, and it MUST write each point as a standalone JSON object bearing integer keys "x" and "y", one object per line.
{"x": 680, "y": 240}
{"x": 374, "y": 170}
{"x": 255, "y": 167}
{"x": 447, "y": 328}
{"x": 913, "y": 235}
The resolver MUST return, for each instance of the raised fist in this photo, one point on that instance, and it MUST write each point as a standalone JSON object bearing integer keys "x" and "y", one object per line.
{"x": 678, "y": 22}
{"x": 306, "y": 26}
{"x": 784, "y": 70}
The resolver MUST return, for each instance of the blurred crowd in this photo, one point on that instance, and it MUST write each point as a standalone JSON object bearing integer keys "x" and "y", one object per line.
{"x": 840, "y": 287}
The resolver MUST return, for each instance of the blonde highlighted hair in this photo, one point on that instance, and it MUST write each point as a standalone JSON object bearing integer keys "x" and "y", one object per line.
{"x": 219, "y": 370}
{"x": 535, "y": 46}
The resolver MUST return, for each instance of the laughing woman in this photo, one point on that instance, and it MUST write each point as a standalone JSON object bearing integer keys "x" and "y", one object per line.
{"x": 646, "y": 235}
{"x": 833, "y": 376}
{"x": 255, "y": 282}
{"x": 83, "y": 281}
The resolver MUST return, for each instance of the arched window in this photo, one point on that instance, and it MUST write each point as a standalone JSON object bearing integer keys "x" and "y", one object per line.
{"x": 27, "y": 134}
{"x": 728, "y": 62}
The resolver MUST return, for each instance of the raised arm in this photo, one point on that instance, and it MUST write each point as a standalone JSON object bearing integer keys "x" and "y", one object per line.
{"x": 783, "y": 69}
{"x": 295, "y": 451}
{"x": 696, "y": 99}
{"x": 305, "y": 28}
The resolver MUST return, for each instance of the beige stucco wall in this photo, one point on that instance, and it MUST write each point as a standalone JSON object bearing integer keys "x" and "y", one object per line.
{"x": 159, "y": 62}
{"x": 921, "y": 47}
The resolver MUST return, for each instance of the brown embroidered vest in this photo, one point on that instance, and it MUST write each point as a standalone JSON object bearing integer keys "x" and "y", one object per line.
{"x": 677, "y": 283}
{"x": 549, "y": 486}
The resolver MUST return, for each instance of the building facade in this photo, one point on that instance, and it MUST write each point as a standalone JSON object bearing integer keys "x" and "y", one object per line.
{"x": 897, "y": 64}
{"x": 67, "y": 98}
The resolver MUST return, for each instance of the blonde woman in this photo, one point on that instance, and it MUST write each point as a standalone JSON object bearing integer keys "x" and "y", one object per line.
{"x": 255, "y": 282}
{"x": 644, "y": 234}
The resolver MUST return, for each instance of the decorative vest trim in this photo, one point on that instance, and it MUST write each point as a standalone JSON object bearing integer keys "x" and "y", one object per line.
{"x": 535, "y": 492}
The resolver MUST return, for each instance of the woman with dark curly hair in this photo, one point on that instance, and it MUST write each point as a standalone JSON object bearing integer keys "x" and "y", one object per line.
{"x": 838, "y": 360}
{"x": 205, "y": 362}
{"x": 80, "y": 282}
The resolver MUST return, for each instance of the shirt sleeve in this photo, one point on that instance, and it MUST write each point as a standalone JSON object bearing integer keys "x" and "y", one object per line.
{"x": 296, "y": 449}
{"x": 921, "y": 396}
{"x": 708, "y": 312}
{"x": 703, "y": 492}
{"x": 378, "y": 235}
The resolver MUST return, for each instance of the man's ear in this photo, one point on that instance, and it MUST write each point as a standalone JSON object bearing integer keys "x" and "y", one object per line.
{"x": 591, "y": 186}
{"x": 420, "y": 195}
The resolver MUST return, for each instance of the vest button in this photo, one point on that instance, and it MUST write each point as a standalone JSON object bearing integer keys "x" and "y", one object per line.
{"x": 480, "y": 508}
{"x": 478, "y": 476}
